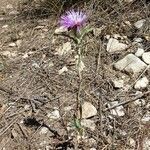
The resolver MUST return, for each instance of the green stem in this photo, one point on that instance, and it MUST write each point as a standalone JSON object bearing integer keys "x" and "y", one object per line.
{"x": 79, "y": 103}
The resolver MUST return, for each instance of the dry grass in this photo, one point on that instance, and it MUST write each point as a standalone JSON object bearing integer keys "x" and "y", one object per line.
{"x": 32, "y": 82}
{"x": 45, "y": 8}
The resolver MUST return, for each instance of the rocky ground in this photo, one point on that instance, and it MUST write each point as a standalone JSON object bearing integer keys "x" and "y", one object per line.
{"x": 39, "y": 81}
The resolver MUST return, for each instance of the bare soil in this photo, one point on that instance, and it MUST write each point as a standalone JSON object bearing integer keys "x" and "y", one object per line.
{"x": 31, "y": 87}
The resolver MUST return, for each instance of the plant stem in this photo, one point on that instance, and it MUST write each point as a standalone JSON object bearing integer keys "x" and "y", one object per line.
{"x": 79, "y": 103}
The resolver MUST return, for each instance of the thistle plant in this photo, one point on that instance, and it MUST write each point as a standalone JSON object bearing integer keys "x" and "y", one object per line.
{"x": 75, "y": 23}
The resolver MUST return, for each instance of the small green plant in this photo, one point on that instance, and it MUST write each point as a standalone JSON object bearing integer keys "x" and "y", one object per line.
{"x": 75, "y": 22}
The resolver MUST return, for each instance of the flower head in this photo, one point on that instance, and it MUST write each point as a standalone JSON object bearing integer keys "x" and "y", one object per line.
{"x": 73, "y": 20}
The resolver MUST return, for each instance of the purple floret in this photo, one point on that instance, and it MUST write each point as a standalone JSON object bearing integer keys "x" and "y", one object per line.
{"x": 73, "y": 20}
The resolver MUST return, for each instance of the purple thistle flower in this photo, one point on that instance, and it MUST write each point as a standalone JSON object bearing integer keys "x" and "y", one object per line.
{"x": 73, "y": 20}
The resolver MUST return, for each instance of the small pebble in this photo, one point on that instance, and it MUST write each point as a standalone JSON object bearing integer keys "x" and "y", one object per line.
{"x": 138, "y": 40}
{"x": 88, "y": 110}
{"x": 146, "y": 143}
{"x": 54, "y": 114}
{"x": 118, "y": 83}
{"x": 139, "y": 23}
{"x": 18, "y": 43}
{"x": 5, "y": 26}
{"x": 141, "y": 83}
{"x": 139, "y": 52}
{"x": 132, "y": 142}
{"x": 131, "y": 64}
{"x": 27, "y": 107}
{"x": 139, "y": 102}
{"x": 146, "y": 57}
{"x": 114, "y": 45}
{"x": 12, "y": 44}
{"x": 118, "y": 111}
{"x": 9, "y": 6}
{"x": 64, "y": 69}
{"x": 43, "y": 130}
{"x": 60, "y": 30}
{"x": 146, "y": 118}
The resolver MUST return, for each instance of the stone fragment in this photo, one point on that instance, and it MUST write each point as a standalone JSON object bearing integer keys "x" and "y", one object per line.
{"x": 43, "y": 143}
{"x": 118, "y": 83}
{"x": 107, "y": 37}
{"x": 139, "y": 52}
{"x": 146, "y": 118}
{"x": 9, "y": 6}
{"x": 117, "y": 36}
{"x": 142, "y": 83}
{"x": 27, "y": 107}
{"x": 118, "y": 111}
{"x": 68, "y": 108}
{"x": 128, "y": 1}
{"x": 146, "y": 57}
{"x": 92, "y": 148}
{"x": 39, "y": 27}
{"x": 54, "y": 114}
{"x": 139, "y": 102}
{"x": 132, "y": 142}
{"x": 88, "y": 110}
{"x": 138, "y": 93}
{"x": 5, "y": 26}
{"x": 138, "y": 40}
{"x": 14, "y": 133}
{"x": 13, "y": 12}
{"x": 130, "y": 64}
{"x": 60, "y": 30}
{"x": 113, "y": 45}
{"x": 43, "y": 130}
{"x": 35, "y": 65}
{"x": 139, "y": 23}
{"x": 64, "y": 69}
{"x": 18, "y": 43}
{"x": 12, "y": 44}
{"x": 146, "y": 144}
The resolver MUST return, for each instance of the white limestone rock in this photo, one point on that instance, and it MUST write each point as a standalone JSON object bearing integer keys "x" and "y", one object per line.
{"x": 88, "y": 110}
{"x": 60, "y": 30}
{"x": 140, "y": 102}
{"x": 146, "y": 144}
{"x": 138, "y": 40}
{"x": 146, "y": 57}
{"x": 5, "y": 26}
{"x": 118, "y": 83}
{"x": 64, "y": 69}
{"x": 54, "y": 114}
{"x": 130, "y": 64}
{"x": 118, "y": 111}
{"x": 142, "y": 83}
{"x": 139, "y": 52}
{"x": 43, "y": 130}
{"x": 12, "y": 44}
{"x": 146, "y": 118}
{"x": 114, "y": 45}
{"x": 139, "y": 23}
